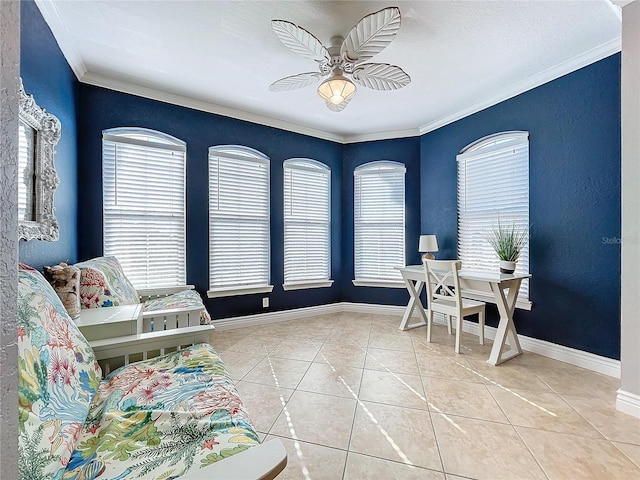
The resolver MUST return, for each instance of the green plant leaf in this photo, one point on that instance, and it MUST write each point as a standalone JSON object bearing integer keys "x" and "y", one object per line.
{"x": 508, "y": 240}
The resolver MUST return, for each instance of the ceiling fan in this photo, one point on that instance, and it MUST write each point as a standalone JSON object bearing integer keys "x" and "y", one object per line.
{"x": 344, "y": 58}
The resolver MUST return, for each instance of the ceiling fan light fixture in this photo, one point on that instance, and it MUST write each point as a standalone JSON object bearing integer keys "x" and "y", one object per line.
{"x": 367, "y": 38}
{"x": 337, "y": 89}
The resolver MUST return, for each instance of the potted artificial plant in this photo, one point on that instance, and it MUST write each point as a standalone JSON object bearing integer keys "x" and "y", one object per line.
{"x": 508, "y": 242}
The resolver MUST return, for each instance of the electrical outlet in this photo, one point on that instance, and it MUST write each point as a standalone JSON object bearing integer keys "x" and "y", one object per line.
{"x": 265, "y": 302}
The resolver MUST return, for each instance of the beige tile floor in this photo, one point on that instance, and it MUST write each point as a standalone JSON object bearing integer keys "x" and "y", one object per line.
{"x": 352, "y": 397}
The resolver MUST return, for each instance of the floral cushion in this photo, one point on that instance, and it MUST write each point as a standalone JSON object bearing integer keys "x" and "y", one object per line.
{"x": 162, "y": 417}
{"x": 103, "y": 284}
{"x": 187, "y": 298}
{"x": 58, "y": 378}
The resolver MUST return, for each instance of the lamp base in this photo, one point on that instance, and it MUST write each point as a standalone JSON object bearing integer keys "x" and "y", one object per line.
{"x": 428, "y": 256}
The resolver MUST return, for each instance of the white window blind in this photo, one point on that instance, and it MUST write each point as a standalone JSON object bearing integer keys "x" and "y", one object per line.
{"x": 239, "y": 209}
{"x": 379, "y": 217}
{"x": 307, "y": 216}
{"x": 26, "y": 173}
{"x": 493, "y": 185}
{"x": 143, "y": 183}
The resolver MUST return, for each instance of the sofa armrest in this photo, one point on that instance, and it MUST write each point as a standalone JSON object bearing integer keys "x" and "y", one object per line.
{"x": 171, "y": 318}
{"x": 151, "y": 293}
{"x": 262, "y": 462}
{"x": 171, "y": 311}
{"x": 142, "y": 344}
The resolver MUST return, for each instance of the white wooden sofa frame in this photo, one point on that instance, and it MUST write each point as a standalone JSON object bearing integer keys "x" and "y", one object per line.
{"x": 170, "y": 318}
{"x": 262, "y": 462}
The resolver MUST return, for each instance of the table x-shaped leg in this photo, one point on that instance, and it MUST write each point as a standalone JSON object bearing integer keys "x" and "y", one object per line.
{"x": 506, "y": 328}
{"x": 414, "y": 303}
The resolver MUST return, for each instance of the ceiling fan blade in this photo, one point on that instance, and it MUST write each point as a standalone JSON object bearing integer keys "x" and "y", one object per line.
{"x": 337, "y": 108}
{"x": 371, "y": 35}
{"x": 300, "y": 41}
{"x": 295, "y": 81}
{"x": 380, "y": 76}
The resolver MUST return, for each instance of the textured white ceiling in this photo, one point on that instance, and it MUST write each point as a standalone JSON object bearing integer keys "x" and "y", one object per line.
{"x": 221, "y": 56}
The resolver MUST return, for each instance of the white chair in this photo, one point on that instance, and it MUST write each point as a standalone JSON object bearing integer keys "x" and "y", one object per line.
{"x": 444, "y": 296}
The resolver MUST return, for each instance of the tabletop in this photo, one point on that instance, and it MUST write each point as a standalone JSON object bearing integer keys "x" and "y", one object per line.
{"x": 494, "y": 277}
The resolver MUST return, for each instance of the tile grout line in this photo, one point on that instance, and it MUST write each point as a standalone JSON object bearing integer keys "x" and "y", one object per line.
{"x": 422, "y": 374}
{"x": 542, "y": 469}
{"x": 604, "y": 437}
{"x": 284, "y": 410}
{"x": 518, "y": 434}
{"x": 355, "y": 412}
{"x": 433, "y": 427}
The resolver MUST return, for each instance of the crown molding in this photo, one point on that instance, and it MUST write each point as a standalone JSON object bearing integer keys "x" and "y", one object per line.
{"x": 371, "y": 137}
{"x": 621, "y": 3}
{"x": 557, "y": 71}
{"x": 90, "y": 78}
{"x": 63, "y": 36}
{"x": 67, "y": 45}
{"x": 154, "y": 94}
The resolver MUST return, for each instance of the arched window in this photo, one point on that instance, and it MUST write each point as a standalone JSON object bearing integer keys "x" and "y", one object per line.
{"x": 493, "y": 185}
{"x": 143, "y": 184}
{"x": 379, "y": 222}
{"x": 307, "y": 224}
{"x": 239, "y": 212}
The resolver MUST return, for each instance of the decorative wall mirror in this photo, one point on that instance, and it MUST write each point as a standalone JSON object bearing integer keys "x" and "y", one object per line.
{"x": 37, "y": 178}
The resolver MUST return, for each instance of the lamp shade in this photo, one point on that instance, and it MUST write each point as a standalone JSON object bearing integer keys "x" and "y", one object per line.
{"x": 337, "y": 89}
{"x": 428, "y": 243}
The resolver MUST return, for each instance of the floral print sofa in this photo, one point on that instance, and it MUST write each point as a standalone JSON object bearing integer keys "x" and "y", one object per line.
{"x": 156, "y": 419}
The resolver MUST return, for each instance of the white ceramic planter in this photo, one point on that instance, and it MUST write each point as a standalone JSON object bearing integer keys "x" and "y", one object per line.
{"x": 507, "y": 267}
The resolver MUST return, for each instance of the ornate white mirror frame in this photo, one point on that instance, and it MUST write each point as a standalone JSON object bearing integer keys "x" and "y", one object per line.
{"x": 39, "y": 134}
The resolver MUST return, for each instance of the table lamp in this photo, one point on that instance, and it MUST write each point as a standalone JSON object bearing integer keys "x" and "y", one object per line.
{"x": 426, "y": 245}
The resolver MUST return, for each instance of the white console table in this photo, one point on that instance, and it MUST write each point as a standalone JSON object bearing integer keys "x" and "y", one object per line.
{"x": 109, "y": 322}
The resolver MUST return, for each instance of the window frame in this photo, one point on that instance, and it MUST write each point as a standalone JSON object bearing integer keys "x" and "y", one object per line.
{"x": 483, "y": 148}
{"x": 144, "y": 137}
{"x": 243, "y": 154}
{"x": 379, "y": 167}
{"x": 301, "y": 165}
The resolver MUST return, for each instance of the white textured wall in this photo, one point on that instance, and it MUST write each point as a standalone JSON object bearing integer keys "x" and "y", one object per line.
{"x": 9, "y": 72}
{"x": 629, "y": 394}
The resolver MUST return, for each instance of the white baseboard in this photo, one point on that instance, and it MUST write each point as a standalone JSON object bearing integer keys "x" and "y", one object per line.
{"x": 273, "y": 317}
{"x": 628, "y": 402}
{"x": 579, "y": 358}
{"x": 373, "y": 308}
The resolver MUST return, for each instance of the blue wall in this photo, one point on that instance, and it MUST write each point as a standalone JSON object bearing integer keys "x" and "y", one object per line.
{"x": 403, "y": 150}
{"x": 102, "y": 109}
{"x": 574, "y": 126}
{"x": 574, "y": 139}
{"x": 47, "y": 76}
